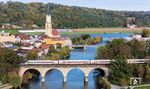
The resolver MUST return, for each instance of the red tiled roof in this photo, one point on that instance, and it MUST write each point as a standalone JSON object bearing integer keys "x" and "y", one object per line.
{"x": 44, "y": 46}
{"x": 36, "y": 50}
{"x": 55, "y": 32}
{"x": 26, "y": 45}
{"x": 43, "y": 36}
{"x": 23, "y": 36}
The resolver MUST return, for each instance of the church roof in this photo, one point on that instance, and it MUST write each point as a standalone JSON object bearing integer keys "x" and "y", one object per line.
{"x": 55, "y": 32}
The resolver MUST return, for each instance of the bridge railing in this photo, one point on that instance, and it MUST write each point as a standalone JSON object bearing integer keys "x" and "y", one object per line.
{"x": 81, "y": 62}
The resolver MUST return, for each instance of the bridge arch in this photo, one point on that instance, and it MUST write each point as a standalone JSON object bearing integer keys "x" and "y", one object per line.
{"x": 52, "y": 69}
{"x": 23, "y": 71}
{"x": 75, "y": 76}
{"x": 26, "y": 76}
{"x": 98, "y": 70}
{"x": 54, "y": 77}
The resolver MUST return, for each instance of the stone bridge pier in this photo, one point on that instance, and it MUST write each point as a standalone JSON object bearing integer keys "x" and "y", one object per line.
{"x": 64, "y": 69}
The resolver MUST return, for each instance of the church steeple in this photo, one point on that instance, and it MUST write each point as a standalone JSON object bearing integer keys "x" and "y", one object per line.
{"x": 48, "y": 25}
{"x": 48, "y": 10}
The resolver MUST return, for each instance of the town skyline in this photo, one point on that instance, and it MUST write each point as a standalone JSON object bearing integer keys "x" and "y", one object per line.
{"x": 120, "y": 5}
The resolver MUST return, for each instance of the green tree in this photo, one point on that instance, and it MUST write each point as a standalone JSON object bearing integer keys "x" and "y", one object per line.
{"x": 103, "y": 53}
{"x": 9, "y": 63}
{"x": 120, "y": 72}
{"x": 104, "y": 83}
{"x": 147, "y": 76}
{"x": 14, "y": 79}
{"x": 138, "y": 48}
{"x": 32, "y": 55}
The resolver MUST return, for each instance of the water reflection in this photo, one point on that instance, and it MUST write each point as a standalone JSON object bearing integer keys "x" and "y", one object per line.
{"x": 75, "y": 79}
{"x": 35, "y": 83}
{"x": 54, "y": 79}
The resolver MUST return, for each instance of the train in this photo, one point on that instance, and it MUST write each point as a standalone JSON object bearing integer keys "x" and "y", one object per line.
{"x": 81, "y": 62}
{"x": 71, "y": 62}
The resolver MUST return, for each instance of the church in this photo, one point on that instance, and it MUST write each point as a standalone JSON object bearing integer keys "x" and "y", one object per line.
{"x": 53, "y": 36}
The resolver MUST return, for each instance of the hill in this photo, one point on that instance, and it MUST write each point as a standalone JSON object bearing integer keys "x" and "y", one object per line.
{"x": 27, "y": 14}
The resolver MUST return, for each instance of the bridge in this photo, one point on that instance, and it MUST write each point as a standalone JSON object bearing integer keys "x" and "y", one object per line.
{"x": 83, "y": 46}
{"x": 65, "y": 66}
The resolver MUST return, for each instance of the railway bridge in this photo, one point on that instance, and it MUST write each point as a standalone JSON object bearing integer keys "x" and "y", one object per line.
{"x": 65, "y": 66}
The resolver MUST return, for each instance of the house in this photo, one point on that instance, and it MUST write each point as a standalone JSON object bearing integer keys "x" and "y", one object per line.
{"x": 8, "y": 44}
{"x": 27, "y": 46}
{"x": 22, "y": 38}
{"x": 37, "y": 44}
{"x": 45, "y": 48}
{"x": 6, "y": 37}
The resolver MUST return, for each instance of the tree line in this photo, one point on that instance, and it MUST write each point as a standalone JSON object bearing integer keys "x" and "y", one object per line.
{"x": 27, "y": 14}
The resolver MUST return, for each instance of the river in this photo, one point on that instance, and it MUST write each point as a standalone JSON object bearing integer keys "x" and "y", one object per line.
{"x": 75, "y": 78}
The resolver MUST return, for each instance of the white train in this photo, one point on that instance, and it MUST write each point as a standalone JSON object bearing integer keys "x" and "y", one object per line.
{"x": 80, "y": 62}
{"x": 69, "y": 62}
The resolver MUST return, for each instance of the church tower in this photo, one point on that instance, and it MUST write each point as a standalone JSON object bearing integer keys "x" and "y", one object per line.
{"x": 48, "y": 25}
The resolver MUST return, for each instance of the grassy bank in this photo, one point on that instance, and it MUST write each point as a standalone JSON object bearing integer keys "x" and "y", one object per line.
{"x": 142, "y": 87}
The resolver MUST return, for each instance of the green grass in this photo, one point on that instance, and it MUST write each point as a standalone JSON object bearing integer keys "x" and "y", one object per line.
{"x": 34, "y": 33}
{"x": 142, "y": 87}
{"x": 11, "y": 31}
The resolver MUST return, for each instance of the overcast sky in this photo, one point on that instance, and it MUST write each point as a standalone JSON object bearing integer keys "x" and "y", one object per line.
{"x": 130, "y": 5}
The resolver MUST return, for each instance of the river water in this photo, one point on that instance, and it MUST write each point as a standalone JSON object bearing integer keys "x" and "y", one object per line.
{"x": 75, "y": 78}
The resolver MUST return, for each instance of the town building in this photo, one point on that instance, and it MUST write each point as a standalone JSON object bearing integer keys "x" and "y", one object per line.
{"x": 5, "y": 37}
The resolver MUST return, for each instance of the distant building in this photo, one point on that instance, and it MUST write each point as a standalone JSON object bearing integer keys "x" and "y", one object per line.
{"x": 6, "y": 37}
{"x": 8, "y": 26}
{"x": 131, "y": 26}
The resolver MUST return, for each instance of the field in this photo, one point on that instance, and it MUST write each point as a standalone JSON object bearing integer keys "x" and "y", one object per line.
{"x": 87, "y": 31}
{"x": 104, "y": 30}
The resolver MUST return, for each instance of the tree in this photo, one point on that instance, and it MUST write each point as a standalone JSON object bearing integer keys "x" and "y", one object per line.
{"x": 9, "y": 67}
{"x": 14, "y": 79}
{"x": 147, "y": 75}
{"x": 104, "y": 83}
{"x": 138, "y": 48}
{"x": 145, "y": 33}
{"x": 32, "y": 55}
{"x": 103, "y": 53}
{"x": 116, "y": 47}
{"x": 55, "y": 56}
{"x": 120, "y": 71}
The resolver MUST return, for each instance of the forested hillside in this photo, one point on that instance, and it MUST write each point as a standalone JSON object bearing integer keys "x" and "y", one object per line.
{"x": 28, "y": 14}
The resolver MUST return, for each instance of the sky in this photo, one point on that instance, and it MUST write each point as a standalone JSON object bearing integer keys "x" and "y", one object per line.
{"x": 125, "y": 5}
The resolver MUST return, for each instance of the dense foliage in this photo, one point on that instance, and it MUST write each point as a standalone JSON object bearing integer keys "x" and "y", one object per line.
{"x": 57, "y": 54}
{"x": 86, "y": 39}
{"x": 32, "y": 55}
{"x": 26, "y": 15}
{"x": 9, "y": 65}
{"x": 120, "y": 50}
{"x": 128, "y": 49}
